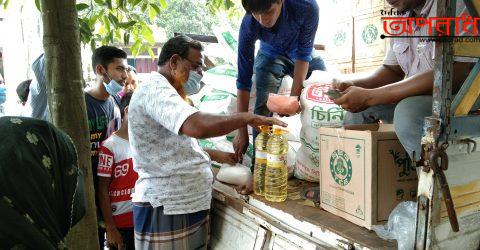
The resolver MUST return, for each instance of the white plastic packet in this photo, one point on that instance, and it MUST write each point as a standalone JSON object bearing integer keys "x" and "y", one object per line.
{"x": 237, "y": 174}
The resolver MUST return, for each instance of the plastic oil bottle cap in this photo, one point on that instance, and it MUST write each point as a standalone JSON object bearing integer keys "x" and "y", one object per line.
{"x": 277, "y": 131}
{"x": 265, "y": 128}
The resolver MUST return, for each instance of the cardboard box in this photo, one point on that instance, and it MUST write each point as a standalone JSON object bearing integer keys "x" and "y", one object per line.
{"x": 367, "y": 65}
{"x": 369, "y": 6}
{"x": 339, "y": 43}
{"x": 343, "y": 67}
{"x": 364, "y": 173}
{"x": 368, "y": 44}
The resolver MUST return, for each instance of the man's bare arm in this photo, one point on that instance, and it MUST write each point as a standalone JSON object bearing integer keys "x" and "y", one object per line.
{"x": 204, "y": 125}
{"x": 384, "y": 75}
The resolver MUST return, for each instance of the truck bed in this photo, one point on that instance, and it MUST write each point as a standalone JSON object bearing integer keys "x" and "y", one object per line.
{"x": 295, "y": 217}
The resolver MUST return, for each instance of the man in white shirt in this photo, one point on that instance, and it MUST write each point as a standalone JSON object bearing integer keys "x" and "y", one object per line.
{"x": 174, "y": 189}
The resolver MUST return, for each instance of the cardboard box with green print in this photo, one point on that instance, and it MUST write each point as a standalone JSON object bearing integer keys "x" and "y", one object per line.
{"x": 364, "y": 173}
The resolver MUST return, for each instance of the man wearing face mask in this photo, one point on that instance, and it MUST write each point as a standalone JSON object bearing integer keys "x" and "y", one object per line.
{"x": 194, "y": 83}
{"x": 173, "y": 192}
{"x": 102, "y": 100}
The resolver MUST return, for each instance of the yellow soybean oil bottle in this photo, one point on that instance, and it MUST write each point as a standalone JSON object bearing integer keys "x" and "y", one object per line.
{"x": 276, "y": 175}
{"x": 260, "y": 160}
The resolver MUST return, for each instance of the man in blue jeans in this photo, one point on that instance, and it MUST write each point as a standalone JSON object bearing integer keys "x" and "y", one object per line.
{"x": 286, "y": 30}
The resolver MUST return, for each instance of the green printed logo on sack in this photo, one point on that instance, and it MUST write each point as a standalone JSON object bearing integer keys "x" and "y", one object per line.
{"x": 216, "y": 95}
{"x": 341, "y": 167}
{"x": 206, "y": 144}
{"x": 223, "y": 70}
{"x": 232, "y": 43}
{"x": 322, "y": 117}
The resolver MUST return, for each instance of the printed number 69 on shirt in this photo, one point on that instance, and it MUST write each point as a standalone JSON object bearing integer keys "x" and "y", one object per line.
{"x": 121, "y": 170}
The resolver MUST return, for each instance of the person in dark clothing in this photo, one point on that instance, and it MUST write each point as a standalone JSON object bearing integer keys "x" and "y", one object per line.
{"x": 22, "y": 91}
{"x": 102, "y": 100}
{"x": 41, "y": 185}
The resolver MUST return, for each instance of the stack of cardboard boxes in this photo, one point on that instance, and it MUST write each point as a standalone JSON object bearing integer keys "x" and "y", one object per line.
{"x": 353, "y": 41}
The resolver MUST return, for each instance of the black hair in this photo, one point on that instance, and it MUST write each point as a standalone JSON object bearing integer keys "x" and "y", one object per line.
{"x": 125, "y": 102}
{"x": 180, "y": 45}
{"x": 105, "y": 55}
{"x": 258, "y": 6}
{"x": 23, "y": 89}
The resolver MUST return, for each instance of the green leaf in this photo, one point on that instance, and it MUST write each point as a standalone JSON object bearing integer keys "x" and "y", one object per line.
{"x": 126, "y": 38}
{"x": 113, "y": 19}
{"x": 135, "y": 3}
{"x": 109, "y": 4}
{"x": 163, "y": 3}
{"x": 99, "y": 2}
{"x": 93, "y": 46}
{"x": 122, "y": 4}
{"x": 118, "y": 36}
{"x": 80, "y": 6}
{"x": 148, "y": 35}
{"x": 37, "y": 4}
{"x": 93, "y": 20}
{"x": 106, "y": 22}
{"x": 150, "y": 52}
{"x": 107, "y": 37}
{"x": 144, "y": 7}
{"x": 110, "y": 37}
{"x": 5, "y": 4}
{"x": 229, "y": 4}
{"x": 84, "y": 26}
{"x": 151, "y": 14}
{"x": 135, "y": 48}
{"x": 127, "y": 25}
{"x": 1, "y": 1}
{"x": 156, "y": 8}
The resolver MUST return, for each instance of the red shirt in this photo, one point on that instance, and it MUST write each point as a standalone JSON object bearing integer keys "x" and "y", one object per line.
{"x": 115, "y": 162}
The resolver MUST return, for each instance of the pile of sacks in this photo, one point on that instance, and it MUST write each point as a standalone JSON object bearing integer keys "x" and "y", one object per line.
{"x": 317, "y": 111}
{"x": 219, "y": 96}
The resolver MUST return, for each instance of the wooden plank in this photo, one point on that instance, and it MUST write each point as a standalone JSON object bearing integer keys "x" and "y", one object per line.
{"x": 467, "y": 49}
{"x": 464, "y": 126}
{"x": 319, "y": 47}
{"x": 468, "y": 94}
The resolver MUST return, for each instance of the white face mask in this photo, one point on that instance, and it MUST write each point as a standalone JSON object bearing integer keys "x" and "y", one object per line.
{"x": 192, "y": 86}
{"x": 113, "y": 87}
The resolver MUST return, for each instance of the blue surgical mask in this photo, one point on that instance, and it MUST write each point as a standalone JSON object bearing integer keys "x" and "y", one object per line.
{"x": 3, "y": 94}
{"x": 192, "y": 86}
{"x": 113, "y": 87}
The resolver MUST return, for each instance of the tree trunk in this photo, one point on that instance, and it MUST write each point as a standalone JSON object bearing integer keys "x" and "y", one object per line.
{"x": 66, "y": 101}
